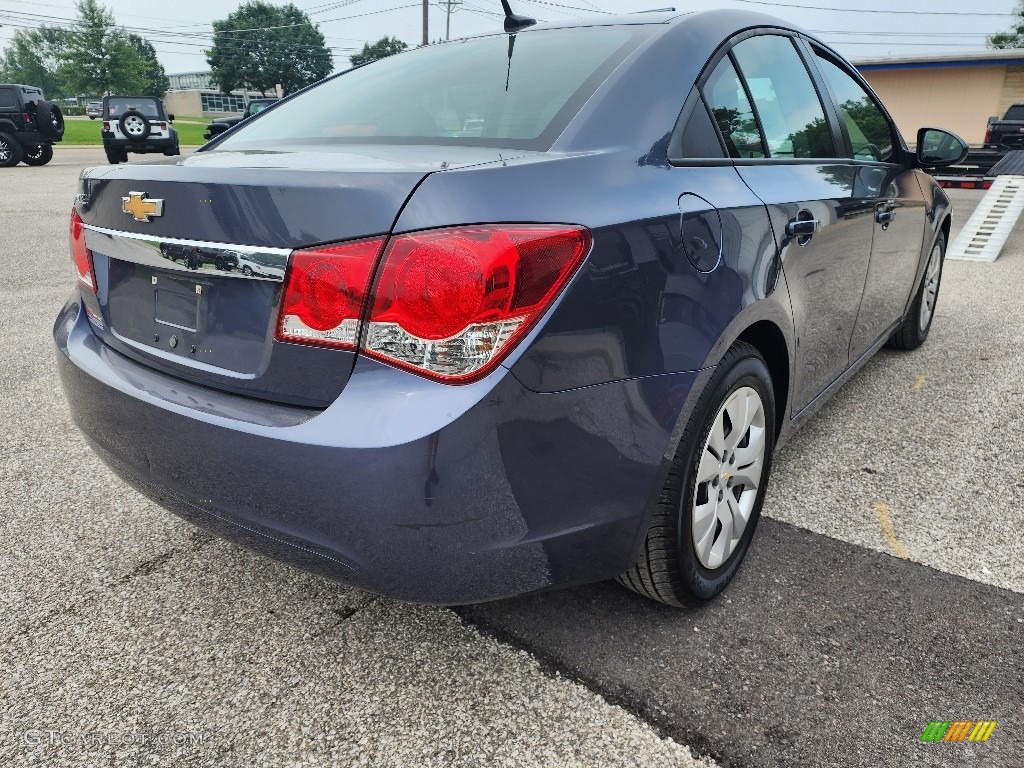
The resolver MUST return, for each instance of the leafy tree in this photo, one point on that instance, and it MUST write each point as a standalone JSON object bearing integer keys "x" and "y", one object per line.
{"x": 386, "y": 46}
{"x": 261, "y": 45}
{"x": 154, "y": 72}
{"x": 1014, "y": 38}
{"x": 99, "y": 58}
{"x": 32, "y": 58}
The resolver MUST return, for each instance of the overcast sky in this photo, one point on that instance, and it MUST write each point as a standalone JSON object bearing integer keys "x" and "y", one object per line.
{"x": 857, "y": 28}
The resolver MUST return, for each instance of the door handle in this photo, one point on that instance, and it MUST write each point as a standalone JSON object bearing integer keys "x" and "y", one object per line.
{"x": 802, "y": 227}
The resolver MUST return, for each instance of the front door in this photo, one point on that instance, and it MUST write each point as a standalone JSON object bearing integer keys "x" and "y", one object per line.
{"x": 898, "y": 202}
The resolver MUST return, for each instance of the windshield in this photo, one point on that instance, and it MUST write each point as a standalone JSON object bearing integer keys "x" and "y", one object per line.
{"x": 118, "y": 105}
{"x": 466, "y": 92}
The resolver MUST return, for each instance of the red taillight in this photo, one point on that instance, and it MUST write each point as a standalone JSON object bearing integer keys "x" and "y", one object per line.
{"x": 81, "y": 256}
{"x": 325, "y": 291}
{"x": 163, "y": 126}
{"x": 450, "y": 304}
{"x": 26, "y": 117}
{"x": 106, "y": 126}
{"x": 988, "y": 135}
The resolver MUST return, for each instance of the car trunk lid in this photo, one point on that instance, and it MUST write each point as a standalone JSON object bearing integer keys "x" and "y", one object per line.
{"x": 190, "y": 256}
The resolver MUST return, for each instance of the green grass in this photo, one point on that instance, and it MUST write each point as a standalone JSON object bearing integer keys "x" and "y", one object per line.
{"x": 88, "y": 132}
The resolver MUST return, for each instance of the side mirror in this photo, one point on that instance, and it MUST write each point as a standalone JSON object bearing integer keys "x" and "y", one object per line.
{"x": 170, "y": 118}
{"x": 937, "y": 148}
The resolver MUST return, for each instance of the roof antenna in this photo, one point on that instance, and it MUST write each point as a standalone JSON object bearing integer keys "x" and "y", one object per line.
{"x": 514, "y": 22}
{"x": 511, "y": 47}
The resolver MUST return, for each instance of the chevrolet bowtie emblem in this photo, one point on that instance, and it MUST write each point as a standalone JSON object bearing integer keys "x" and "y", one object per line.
{"x": 140, "y": 209}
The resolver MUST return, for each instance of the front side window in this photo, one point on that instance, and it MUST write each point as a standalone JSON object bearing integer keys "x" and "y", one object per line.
{"x": 486, "y": 91}
{"x": 732, "y": 111}
{"x": 785, "y": 98}
{"x": 870, "y": 133}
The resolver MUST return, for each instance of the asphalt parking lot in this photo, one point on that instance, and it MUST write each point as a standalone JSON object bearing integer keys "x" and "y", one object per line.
{"x": 885, "y": 590}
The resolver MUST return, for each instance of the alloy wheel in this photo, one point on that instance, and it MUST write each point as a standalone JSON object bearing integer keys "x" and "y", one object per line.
{"x": 728, "y": 477}
{"x": 133, "y": 125}
{"x": 5, "y": 151}
{"x": 932, "y": 274}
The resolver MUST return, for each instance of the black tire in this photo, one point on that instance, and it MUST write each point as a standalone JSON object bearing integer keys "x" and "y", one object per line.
{"x": 172, "y": 152}
{"x": 49, "y": 120}
{"x": 668, "y": 569}
{"x": 911, "y": 334}
{"x": 116, "y": 155}
{"x": 144, "y": 131}
{"x": 10, "y": 151}
{"x": 40, "y": 154}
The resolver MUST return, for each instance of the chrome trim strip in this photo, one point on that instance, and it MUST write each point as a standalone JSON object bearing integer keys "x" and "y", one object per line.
{"x": 197, "y": 257}
{"x": 182, "y": 360}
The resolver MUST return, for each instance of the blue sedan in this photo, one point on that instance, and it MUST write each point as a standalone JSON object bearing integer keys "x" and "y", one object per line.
{"x": 525, "y": 310}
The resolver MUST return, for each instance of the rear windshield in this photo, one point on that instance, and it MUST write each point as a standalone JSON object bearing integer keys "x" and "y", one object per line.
{"x": 517, "y": 92}
{"x": 1016, "y": 112}
{"x": 118, "y": 105}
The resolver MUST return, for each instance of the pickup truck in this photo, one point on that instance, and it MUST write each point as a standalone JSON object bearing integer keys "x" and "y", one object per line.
{"x": 1007, "y": 133}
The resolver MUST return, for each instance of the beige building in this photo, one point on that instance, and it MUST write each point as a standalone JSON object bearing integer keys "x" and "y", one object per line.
{"x": 193, "y": 93}
{"x": 958, "y": 92}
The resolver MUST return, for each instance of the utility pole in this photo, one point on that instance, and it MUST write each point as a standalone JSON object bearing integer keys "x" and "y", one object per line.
{"x": 450, "y": 6}
{"x": 426, "y": 7}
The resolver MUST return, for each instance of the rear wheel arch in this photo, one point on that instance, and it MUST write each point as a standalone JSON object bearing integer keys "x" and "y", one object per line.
{"x": 768, "y": 339}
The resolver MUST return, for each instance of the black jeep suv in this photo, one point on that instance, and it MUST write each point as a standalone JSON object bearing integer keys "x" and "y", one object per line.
{"x": 136, "y": 124}
{"x": 29, "y": 125}
{"x": 221, "y": 124}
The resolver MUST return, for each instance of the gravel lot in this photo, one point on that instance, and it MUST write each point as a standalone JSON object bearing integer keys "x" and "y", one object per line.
{"x": 125, "y": 624}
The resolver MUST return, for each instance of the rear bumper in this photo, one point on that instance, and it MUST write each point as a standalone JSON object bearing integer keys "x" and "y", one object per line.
{"x": 404, "y": 487}
{"x": 34, "y": 138}
{"x": 146, "y": 145}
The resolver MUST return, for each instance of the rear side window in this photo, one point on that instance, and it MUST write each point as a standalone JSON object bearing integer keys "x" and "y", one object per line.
{"x": 699, "y": 138}
{"x": 791, "y": 113}
{"x": 483, "y": 91}
{"x": 8, "y": 99}
{"x": 869, "y": 130}
{"x": 1016, "y": 112}
{"x": 732, "y": 112}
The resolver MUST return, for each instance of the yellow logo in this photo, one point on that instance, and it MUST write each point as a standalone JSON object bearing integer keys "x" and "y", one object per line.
{"x": 140, "y": 209}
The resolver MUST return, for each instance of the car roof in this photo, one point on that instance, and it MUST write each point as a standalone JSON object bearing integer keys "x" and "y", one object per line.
{"x": 34, "y": 88}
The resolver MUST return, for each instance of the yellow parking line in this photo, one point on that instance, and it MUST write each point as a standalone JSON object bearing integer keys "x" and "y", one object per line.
{"x": 918, "y": 383}
{"x": 882, "y": 510}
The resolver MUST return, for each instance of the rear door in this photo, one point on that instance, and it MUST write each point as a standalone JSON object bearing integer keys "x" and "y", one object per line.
{"x": 787, "y": 154}
{"x": 872, "y": 141}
